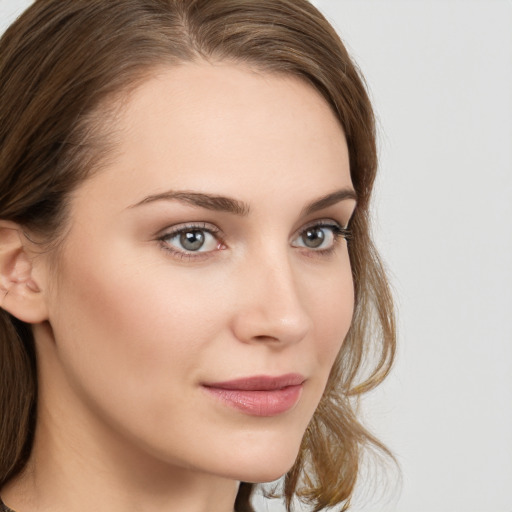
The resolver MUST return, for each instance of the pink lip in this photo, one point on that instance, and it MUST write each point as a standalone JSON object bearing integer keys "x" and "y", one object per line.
{"x": 259, "y": 395}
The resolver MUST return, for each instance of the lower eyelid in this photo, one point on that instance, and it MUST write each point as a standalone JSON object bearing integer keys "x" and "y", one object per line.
{"x": 184, "y": 254}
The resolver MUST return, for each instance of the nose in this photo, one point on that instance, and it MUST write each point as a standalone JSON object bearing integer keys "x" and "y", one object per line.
{"x": 271, "y": 306}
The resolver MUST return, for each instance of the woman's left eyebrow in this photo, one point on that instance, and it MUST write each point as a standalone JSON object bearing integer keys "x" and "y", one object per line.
{"x": 329, "y": 200}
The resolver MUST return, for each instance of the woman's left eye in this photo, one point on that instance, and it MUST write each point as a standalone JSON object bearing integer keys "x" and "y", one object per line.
{"x": 320, "y": 237}
{"x": 191, "y": 239}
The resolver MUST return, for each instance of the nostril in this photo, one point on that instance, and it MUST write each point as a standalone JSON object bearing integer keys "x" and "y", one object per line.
{"x": 263, "y": 337}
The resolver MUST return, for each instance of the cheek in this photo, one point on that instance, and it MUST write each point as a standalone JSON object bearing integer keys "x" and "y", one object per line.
{"x": 126, "y": 328}
{"x": 333, "y": 307}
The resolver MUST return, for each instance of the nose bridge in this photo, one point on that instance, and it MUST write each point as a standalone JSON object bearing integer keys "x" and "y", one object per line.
{"x": 272, "y": 306}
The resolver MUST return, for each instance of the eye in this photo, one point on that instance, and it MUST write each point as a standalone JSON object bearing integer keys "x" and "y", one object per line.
{"x": 190, "y": 239}
{"x": 321, "y": 236}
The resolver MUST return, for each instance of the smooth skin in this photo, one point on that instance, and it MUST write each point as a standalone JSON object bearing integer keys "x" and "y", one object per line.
{"x": 161, "y": 289}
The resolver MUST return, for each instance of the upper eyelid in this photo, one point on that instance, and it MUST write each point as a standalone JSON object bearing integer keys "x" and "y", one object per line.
{"x": 324, "y": 222}
{"x": 177, "y": 228}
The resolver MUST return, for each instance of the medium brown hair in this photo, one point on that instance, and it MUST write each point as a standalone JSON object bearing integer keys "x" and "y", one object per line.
{"x": 63, "y": 62}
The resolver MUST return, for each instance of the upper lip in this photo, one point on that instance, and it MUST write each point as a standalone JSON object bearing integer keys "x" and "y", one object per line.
{"x": 259, "y": 382}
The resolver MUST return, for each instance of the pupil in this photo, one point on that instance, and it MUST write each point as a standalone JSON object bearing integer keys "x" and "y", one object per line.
{"x": 192, "y": 240}
{"x": 313, "y": 237}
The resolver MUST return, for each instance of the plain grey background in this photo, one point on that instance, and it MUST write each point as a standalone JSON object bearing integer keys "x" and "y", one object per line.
{"x": 440, "y": 75}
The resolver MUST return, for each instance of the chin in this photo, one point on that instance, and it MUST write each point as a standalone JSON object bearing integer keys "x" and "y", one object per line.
{"x": 262, "y": 475}
{"x": 264, "y": 464}
{"x": 266, "y": 475}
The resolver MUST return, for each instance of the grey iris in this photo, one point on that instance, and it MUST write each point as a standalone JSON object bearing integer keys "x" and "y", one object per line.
{"x": 192, "y": 240}
{"x": 313, "y": 237}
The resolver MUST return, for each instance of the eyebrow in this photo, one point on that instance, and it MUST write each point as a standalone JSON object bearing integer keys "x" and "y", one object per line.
{"x": 329, "y": 200}
{"x": 208, "y": 201}
{"x": 230, "y": 205}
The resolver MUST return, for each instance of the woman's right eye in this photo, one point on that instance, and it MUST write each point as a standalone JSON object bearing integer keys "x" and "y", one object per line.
{"x": 190, "y": 240}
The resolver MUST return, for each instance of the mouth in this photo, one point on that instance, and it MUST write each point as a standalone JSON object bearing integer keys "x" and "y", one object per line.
{"x": 259, "y": 395}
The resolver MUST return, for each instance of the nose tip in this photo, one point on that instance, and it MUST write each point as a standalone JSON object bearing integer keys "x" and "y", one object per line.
{"x": 260, "y": 327}
{"x": 272, "y": 311}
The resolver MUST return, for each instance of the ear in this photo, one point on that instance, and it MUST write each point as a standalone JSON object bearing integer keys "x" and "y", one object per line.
{"x": 20, "y": 294}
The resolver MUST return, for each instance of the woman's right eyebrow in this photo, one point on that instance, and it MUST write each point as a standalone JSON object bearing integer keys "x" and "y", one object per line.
{"x": 201, "y": 200}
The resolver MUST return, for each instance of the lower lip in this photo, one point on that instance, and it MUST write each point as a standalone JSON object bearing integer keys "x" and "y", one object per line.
{"x": 259, "y": 403}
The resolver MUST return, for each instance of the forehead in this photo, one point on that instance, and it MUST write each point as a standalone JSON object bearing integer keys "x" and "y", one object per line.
{"x": 227, "y": 129}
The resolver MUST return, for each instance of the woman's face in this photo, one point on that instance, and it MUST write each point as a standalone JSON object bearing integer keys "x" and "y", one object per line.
{"x": 204, "y": 288}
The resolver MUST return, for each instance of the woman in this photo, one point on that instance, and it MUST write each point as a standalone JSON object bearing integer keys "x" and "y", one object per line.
{"x": 190, "y": 296}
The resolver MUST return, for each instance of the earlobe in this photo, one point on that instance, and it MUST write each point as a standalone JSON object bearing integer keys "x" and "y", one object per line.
{"x": 20, "y": 293}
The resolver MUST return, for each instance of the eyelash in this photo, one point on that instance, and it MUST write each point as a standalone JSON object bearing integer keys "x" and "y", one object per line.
{"x": 184, "y": 228}
{"x": 338, "y": 232}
